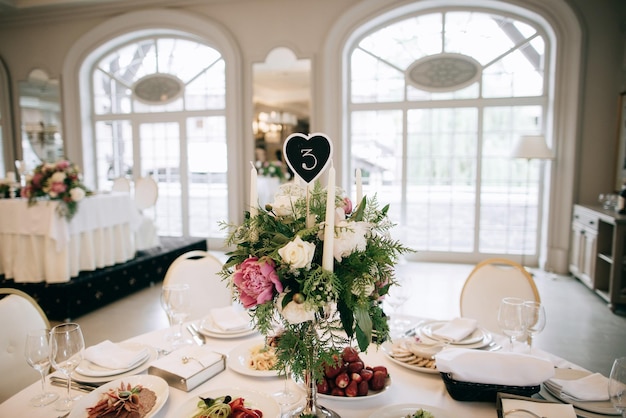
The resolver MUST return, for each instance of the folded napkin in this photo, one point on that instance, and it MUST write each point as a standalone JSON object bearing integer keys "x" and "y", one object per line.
{"x": 544, "y": 409}
{"x": 229, "y": 319}
{"x": 113, "y": 356}
{"x": 593, "y": 387}
{"x": 188, "y": 361}
{"x": 497, "y": 368}
{"x": 456, "y": 330}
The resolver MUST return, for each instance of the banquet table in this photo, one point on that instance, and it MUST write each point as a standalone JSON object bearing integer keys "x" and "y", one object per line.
{"x": 407, "y": 386}
{"x": 39, "y": 245}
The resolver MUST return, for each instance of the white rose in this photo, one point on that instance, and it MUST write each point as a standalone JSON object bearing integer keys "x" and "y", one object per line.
{"x": 349, "y": 237}
{"x": 294, "y": 313}
{"x": 77, "y": 194}
{"x": 283, "y": 205}
{"x": 58, "y": 177}
{"x": 298, "y": 253}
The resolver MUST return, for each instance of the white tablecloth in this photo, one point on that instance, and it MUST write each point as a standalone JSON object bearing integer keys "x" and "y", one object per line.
{"x": 407, "y": 386}
{"x": 36, "y": 244}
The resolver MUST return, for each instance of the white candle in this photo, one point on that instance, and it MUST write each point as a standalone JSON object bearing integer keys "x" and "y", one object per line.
{"x": 329, "y": 229}
{"x": 11, "y": 176}
{"x": 359, "y": 187}
{"x": 254, "y": 196}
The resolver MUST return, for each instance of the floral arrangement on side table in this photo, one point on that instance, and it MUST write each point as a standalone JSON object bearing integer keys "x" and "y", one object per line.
{"x": 56, "y": 181}
{"x": 272, "y": 169}
{"x": 277, "y": 272}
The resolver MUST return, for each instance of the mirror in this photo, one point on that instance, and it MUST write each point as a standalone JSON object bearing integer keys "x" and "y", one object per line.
{"x": 282, "y": 101}
{"x": 40, "y": 113}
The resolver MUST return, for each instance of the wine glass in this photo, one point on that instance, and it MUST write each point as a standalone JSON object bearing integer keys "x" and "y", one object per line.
{"x": 175, "y": 300}
{"x": 510, "y": 319}
{"x": 397, "y": 296}
{"x": 66, "y": 352}
{"x": 534, "y": 315}
{"x": 617, "y": 385}
{"x": 37, "y": 353}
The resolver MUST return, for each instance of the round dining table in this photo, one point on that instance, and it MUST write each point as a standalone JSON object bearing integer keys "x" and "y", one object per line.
{"x": 407, "y": 386}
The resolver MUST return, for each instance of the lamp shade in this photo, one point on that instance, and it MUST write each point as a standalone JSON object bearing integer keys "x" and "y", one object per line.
{"x": 532, "y": 147}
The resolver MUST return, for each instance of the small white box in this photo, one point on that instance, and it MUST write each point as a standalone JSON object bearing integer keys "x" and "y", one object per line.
{"x": 188, "y": 367}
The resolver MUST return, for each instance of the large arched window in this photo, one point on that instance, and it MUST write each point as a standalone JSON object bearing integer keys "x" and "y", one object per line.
{"x": 436, "y": 101}
{"x": 159, "y": 110}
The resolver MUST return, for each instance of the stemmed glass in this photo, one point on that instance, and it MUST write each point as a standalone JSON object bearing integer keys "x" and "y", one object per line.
{"x": 284, "y": 397}
{"x": 397, "y": 297}
{"x": 66, "y": 352}
{"x": 534, "y": 315}
{"x": 510, "y": 319}
{"x": 175, "y": 300}
{"x": 617, "y": 385}
{"x": 37, "y": 353}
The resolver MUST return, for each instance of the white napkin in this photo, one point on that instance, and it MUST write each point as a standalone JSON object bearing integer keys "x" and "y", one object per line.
{"x": 229, "y": 319}
{"x": 544, "y": 409}
{"x": 497, "y": 368}
{"x": 456, "y": 330}
{"x": 593, "y": 387}
{"x": 113, "y": 356}
{"x": 187, "y": 361}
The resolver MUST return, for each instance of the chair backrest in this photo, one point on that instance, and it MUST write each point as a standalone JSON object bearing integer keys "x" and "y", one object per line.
{"x": 200, "y": 270}
{"x": 19, "y": 313}
{"x": 146, "y": 192}
{"x": 489, "y": 282}
{"x": 121, "y": 184}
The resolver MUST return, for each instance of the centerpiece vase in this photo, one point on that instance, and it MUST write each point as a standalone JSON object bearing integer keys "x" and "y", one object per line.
{"x": 311, "y": 408}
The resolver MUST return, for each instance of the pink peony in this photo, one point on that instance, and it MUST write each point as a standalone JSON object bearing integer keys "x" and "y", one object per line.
{"x": 63, "y": 164}
{"x": 58, "y": 187}
{"x": 36, "y": 180}
{"x": 256, "y": 280}
{"x": 347, "y": 205}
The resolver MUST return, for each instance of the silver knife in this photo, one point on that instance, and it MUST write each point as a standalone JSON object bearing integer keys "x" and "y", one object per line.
{"x": 197, "y": 337}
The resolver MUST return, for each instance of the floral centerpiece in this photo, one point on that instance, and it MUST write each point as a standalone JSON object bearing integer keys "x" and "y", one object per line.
{"x": 272, "y": 169}
{"x": 277, "y": 272}
{"x": 56, "y": 181}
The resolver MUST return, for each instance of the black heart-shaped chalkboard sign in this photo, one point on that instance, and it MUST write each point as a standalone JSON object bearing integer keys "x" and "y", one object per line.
{"x": 307, "y": 155}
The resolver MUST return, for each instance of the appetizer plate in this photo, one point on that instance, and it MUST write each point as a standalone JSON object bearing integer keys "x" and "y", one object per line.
{"x": 239, "y": 357}
{"x": 370, "y": 394}
{"x": 154, "y": 383}
{"x": 252, "y": 399}
{"x": 599, "y": 407}
{"x": 403, "y": 410}
{"x": 152, "y": 355}
{"x": 475, "y": 337}
{"x": 87, "y": 368}
{"x": 387, "y": 348}
{"x": 208, "y": 328}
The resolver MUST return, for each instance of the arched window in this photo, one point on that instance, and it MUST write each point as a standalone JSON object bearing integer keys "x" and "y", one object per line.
{"x": 436, "y": 102}
{"x": 159, "y": 110}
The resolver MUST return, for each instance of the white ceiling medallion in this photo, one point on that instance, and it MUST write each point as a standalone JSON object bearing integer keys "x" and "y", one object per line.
{"x": 443, "y": 72}
{"x": 158, "y": 89}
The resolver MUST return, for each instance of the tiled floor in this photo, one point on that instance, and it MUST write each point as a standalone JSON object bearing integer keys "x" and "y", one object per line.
{"x": 580, "y": 327}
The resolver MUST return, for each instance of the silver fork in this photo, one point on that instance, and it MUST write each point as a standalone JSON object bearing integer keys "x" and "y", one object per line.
{"x": 531, "y": 413}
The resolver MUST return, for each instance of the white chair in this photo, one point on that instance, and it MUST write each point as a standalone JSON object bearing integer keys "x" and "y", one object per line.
{"x": 121, "y": 184}
{"x": 489, "y": 282}
{"x": 146, "y": 193}
{"x": 19, "y": 313}
{"x": 200, "y": 270}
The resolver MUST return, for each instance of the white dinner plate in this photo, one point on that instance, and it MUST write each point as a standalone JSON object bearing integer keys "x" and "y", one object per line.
{"x": 370, "y": 394}
{"x": 252, "y": 399}
{"x": 387, "y": 348}
{"x": 402, "y": 410}
{"x": 599, "y": 407}
{"x": 153, "y": 355}
{"x": 239, "y": 356}
{"x": 207, "y": 327}
{"x": 487, "y": 337}
{"x": 429, "y": 328}
{"x": 87, "y": 368}
{"x": 579, "y": 412}
{"x": 154, "y": 383}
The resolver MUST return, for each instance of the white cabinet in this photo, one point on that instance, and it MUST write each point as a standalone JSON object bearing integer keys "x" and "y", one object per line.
{"x": 584, "y": 245}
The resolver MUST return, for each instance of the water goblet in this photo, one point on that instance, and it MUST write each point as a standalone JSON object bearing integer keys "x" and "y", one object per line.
{"x": 66, "y": 352}
{"x": 175, "y": 300}
{"x": 37, "y": 353}
{"x": 534, "y": 315}
{"x": 397, "y": 297}
{"x": 617, "y": 385}
{"x": 510, "y": 319}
